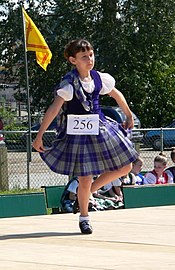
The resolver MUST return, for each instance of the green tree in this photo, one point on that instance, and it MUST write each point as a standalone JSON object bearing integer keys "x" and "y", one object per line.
{"x": 148, "y": 59}
{"x": 133, "y": 41}
{"x": 138, "y": 50}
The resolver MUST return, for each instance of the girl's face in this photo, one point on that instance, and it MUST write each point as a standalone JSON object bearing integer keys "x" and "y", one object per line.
{"x": 137, "y": 167}
{"x": 159, "y": 168}
{"x": 84, "y": 61}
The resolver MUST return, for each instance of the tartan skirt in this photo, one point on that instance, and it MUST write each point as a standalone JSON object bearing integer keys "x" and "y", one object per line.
{"x": 83, "y": 155}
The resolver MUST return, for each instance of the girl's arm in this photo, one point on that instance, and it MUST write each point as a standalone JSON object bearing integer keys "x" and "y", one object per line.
{"x": 121, "y": 101}
{"x": 72, "y": 196}
{"x": 101, "y": 196}
{"x": 50, "y": 114}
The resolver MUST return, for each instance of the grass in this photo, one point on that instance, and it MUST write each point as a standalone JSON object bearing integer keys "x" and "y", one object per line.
{"x": 20, "y": 191}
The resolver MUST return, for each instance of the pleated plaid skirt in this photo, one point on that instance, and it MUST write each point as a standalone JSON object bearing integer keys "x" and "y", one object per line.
{"x": 83, "y": 155}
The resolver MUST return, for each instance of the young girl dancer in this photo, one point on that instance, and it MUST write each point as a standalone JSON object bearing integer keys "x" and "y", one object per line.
{"x": 87, "y": 143}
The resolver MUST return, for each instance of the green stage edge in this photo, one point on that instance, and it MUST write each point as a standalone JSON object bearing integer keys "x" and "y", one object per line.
{"x": 148, "y": 196}
{"x": 28, "y": 204}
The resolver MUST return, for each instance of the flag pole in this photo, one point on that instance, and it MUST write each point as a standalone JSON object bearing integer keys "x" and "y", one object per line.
{"x": 28, "y": 138}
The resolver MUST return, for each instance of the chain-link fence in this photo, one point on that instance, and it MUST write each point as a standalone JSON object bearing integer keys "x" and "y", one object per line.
{"x": 25, "y": 170}
{"x": 152, "y": 142}
{"x": 19, "y": 169}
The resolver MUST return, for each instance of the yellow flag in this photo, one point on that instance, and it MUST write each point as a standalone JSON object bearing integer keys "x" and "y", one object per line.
{"x": 36, "y": 42}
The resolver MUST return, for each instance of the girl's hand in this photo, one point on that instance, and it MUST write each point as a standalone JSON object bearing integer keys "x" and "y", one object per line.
{"x": 113, "y": 199}
{"x": 38, "y": 145}
{"x": 120, "y": 99}
{"x": 129, "y": 123}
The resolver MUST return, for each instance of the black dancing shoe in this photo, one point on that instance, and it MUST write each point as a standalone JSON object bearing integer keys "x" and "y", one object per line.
{"x": 75, "y": 208}
{"x": 85, "y": 227}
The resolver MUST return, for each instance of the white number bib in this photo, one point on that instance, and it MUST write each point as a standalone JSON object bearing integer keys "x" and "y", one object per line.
{"x": 87, "y": 124}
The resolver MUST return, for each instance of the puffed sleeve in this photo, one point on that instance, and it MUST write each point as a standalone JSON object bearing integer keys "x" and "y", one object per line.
{"x": 108, "y": 83}
{"x": 65, "y": 92}
{"x": 117, "y": 182}
{"x": 170, "y": 176}
{"x": 149, "y": 178}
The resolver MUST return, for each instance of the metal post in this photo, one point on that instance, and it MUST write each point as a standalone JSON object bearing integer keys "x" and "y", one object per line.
{"x": 4, "y": 185}
{"x": 28, "y": 162}
{"x": 29, "y": 148}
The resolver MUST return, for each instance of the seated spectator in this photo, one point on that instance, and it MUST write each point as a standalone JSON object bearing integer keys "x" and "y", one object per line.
{"x": 158, "y": 175}
{"x": 69, "y": 195}
{"x": 171, "y": 170}
{"x": 134, "y": 177}
{"x": 105, "y": 202}
{"x": 113, "y": 190}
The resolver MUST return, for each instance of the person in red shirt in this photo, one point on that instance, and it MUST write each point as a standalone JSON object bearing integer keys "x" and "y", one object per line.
{"x": 158, "y": 175}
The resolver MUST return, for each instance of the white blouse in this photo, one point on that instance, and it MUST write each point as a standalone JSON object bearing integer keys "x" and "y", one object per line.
{"x": 150, "y": 178}
{"x": 108, "y": 83}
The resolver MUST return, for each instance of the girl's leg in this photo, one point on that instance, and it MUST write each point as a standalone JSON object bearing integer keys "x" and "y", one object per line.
{"x": 84, "y": 191}
{"x": 108, "y": 177}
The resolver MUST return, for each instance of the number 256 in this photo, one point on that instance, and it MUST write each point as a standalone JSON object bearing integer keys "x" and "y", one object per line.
{"x": 83, "y": 124}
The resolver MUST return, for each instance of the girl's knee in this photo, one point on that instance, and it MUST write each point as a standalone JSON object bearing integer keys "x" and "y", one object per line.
{"x": 85, "y": 180}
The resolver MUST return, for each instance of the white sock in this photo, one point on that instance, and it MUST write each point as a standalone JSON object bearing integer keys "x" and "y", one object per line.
{"x": 83, "y": 218}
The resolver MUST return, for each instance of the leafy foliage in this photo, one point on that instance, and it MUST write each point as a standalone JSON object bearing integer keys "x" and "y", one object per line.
{"x": 134, "y": 41}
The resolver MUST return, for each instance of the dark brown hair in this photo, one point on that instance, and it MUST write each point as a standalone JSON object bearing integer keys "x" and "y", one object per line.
{"x": 75, "y": 46}
{"x": 172, "y": 153}
{"x": 138, "y": 159}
